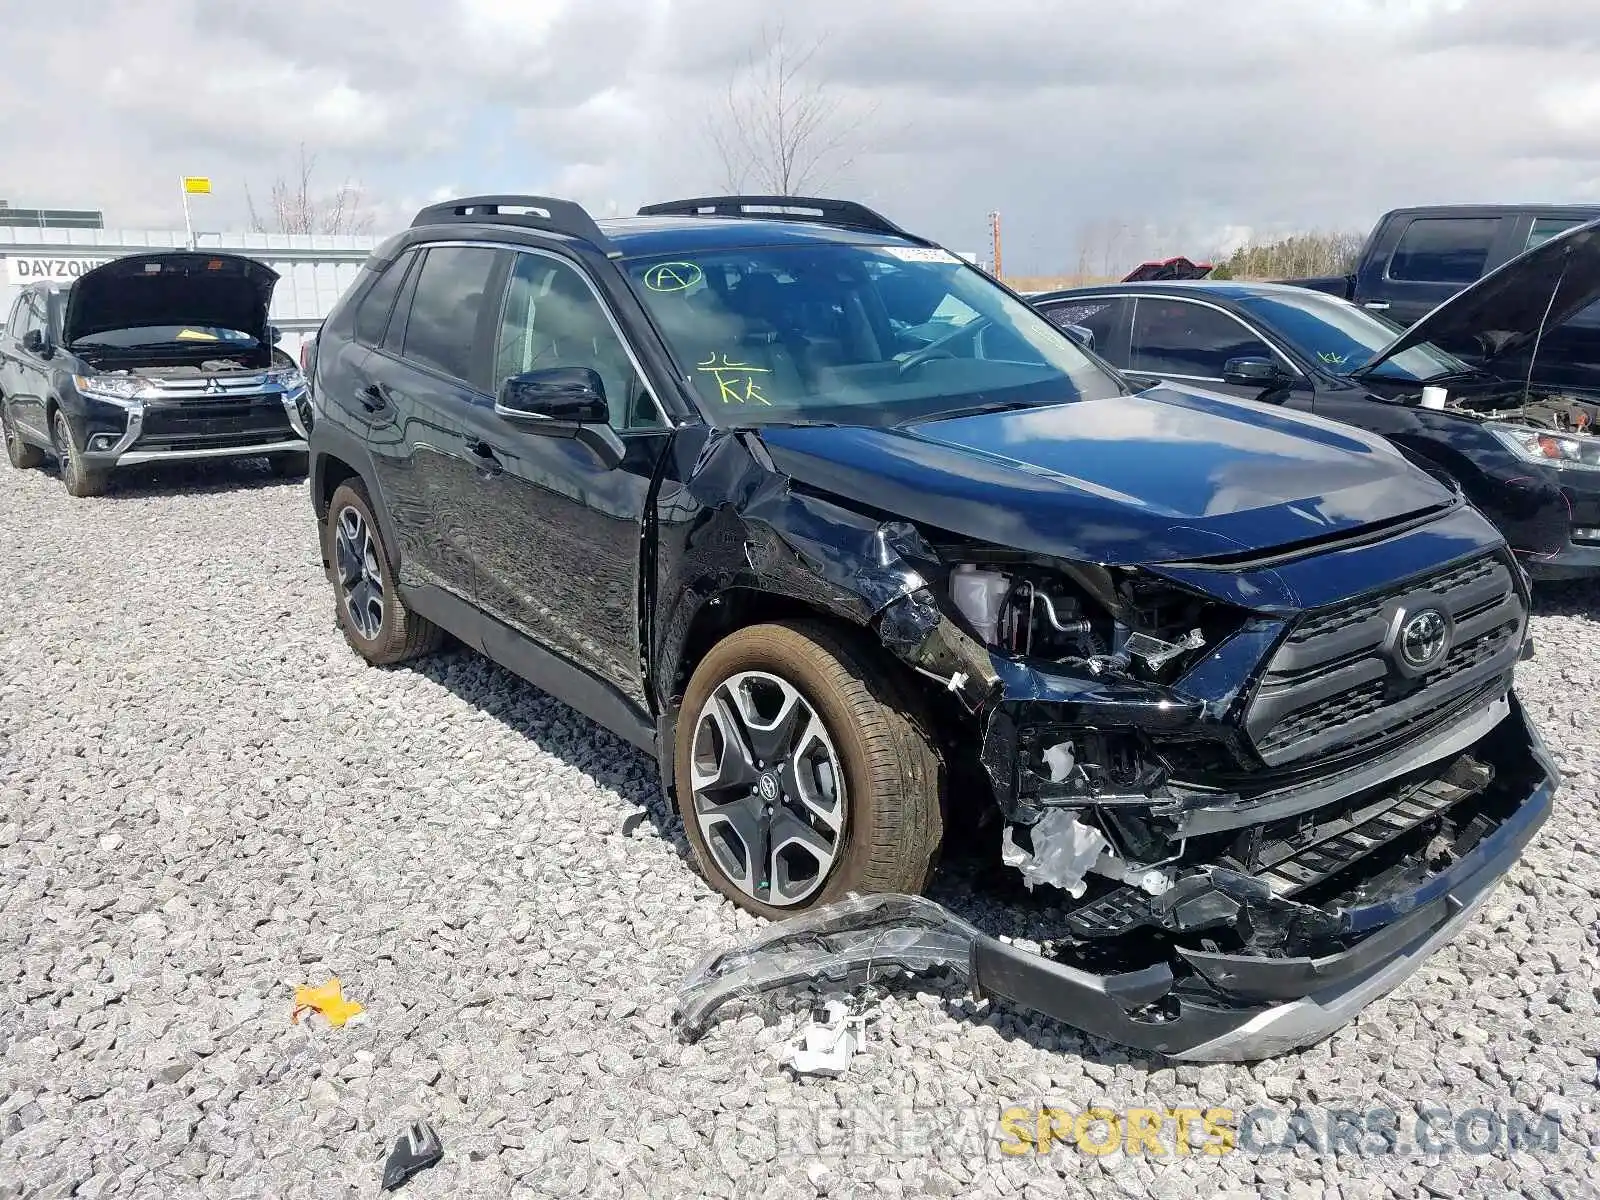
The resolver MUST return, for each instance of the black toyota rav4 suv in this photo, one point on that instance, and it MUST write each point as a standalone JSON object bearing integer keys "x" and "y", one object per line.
{"x": 863, "y": 549}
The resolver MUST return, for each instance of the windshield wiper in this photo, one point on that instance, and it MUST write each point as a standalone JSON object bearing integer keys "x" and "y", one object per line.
{"x": 758, "y": 426}
{"x": 1458, "y": 376}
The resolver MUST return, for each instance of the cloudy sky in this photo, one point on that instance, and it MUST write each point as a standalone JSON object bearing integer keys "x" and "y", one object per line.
{"x": 1099, "y": 130}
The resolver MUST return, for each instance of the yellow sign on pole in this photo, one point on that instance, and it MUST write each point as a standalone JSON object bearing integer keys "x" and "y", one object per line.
{"x": 197, "y": 185}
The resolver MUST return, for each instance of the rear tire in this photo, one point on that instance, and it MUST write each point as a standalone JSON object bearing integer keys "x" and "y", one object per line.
{"x": 375, "y": 620}
{"x": 78, "y": 479}
{"x": 880, "y": 835}
{"x": 293, "y": 465}
{"x": 24, "y": 456}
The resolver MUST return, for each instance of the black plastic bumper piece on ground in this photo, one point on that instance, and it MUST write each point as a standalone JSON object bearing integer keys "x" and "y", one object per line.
{"x": 1256, "y": 1007}
{"x": 417, "y": 1149}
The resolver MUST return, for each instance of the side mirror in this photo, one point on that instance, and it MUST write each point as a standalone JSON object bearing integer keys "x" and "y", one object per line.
{"x": 1081, "y": 334}
{"x": 563, "y": 402}
{"x": 562, "y": 395}
{"x": 1253, "y": 372}
{"x": 33, "y": 342}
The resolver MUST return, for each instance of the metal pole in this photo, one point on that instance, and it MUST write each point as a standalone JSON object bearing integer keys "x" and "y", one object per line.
{"x": 188, "y": 228}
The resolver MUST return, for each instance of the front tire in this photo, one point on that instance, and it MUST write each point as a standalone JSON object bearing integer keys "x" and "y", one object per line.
{"x": 804, "y": 771}
{"x": 24, "y": 456}
{"x": 78, "y": 479}
{"x": 375, "y": 620}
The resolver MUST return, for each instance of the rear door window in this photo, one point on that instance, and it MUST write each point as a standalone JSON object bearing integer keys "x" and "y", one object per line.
{"x": 442, "y": 328}
{"x": 372, "y": 317}
{"x": 1186, "y": 340}
{"x": 1444, "y": 249}
{"x": 1100, "y": 315}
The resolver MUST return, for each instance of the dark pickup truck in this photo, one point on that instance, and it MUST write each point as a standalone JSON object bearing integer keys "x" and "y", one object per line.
{"x": 1417, "y": 258}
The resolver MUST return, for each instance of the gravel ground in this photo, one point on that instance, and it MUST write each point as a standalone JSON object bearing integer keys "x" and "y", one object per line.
{"x": 206, "y": 799}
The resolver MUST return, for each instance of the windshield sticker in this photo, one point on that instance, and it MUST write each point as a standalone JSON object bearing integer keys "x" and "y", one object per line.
{"x": 920, "y": 254}
{"x": 673, "y": 277}
{"x": 736, "y": 381}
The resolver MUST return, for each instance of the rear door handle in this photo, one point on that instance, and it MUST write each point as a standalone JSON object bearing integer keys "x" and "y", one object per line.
{"x": 374, "y": 397}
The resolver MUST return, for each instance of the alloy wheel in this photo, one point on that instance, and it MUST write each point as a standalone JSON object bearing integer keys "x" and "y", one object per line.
{"x": 769, "y": 790}
{"x": 360, "y": 574}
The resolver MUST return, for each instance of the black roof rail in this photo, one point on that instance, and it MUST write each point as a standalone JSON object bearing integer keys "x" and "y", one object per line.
{"x": 845, "y": 213}
{"x": 535, "y": 212}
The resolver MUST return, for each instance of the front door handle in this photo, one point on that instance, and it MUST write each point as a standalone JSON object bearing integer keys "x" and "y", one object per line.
{"x": 374, "y": 397}
{"x": 1376, "y": 305}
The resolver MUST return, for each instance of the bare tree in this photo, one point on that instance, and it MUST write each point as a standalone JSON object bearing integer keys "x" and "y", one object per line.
{"x": 1297, "y": 256}
{"x": 295, "y": 206}
{"x": 779, "y": 128}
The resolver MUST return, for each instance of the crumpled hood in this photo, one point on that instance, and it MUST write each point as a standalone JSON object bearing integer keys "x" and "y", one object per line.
{"x": 171, "y": 288}
{"x": 1166, "y": 475}
{"x": 1502, "y": 313}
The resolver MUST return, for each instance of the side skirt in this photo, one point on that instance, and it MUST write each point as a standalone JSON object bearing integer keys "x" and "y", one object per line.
{"x": 548, "y": 672}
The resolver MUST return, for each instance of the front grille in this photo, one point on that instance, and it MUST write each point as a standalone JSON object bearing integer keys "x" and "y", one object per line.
{"x": 1331, "y": 686}
{"x": 232, "y": 422}
{"x": 1309, "y": 850}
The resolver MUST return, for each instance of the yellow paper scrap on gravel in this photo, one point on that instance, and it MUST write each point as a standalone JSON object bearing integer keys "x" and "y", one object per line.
{"x": 328, "y": 1000}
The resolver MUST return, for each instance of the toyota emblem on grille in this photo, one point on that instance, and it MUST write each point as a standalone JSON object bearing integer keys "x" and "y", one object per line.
{"x": 1420, "y": 631}
{"x": 1423, "y": 638}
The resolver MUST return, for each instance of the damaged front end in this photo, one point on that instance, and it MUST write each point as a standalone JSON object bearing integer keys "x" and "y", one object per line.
{"x": 1263, "y": 790}
{"x": 1226, "y": 964}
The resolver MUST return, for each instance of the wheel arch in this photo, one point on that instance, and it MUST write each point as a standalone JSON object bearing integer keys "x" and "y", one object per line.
{"x": 326, "y": 471}
{"x": 739, "y": 607}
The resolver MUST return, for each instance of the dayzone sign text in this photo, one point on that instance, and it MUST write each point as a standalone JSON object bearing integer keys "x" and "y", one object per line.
{"x": 30, "y": 270}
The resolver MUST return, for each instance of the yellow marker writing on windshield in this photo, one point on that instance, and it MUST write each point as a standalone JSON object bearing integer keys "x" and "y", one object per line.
{"x": 736, "y": 382}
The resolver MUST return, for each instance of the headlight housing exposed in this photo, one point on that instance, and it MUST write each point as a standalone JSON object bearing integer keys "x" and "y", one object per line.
{"x": 1565, "y": 450}
{"x": 118, "y": 389}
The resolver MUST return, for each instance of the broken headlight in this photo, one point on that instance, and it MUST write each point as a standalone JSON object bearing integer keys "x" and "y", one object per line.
{"x": 1568, "y": 451}
{"x": 1130, "y": 625}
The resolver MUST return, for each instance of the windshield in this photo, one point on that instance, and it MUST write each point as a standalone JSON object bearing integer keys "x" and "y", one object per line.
{"x": 861, "y": 335}
{"x": 1344, "y": 338}
{"x": 162, "y": 335}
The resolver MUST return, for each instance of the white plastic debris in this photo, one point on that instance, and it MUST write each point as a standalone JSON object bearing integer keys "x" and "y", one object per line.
{"x": 832, "y": 1037}
{"x": 1064, "y": 849}
{"x": 1060, "y": 758}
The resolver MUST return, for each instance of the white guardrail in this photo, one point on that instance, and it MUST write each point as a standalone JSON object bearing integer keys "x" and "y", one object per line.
{"x": 314, "y": 269}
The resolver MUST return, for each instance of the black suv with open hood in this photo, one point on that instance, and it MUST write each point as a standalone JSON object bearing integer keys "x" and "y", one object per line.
{"x": 863, "y": 549}
{"x": 1525, "y": 452}
{"x": 150, "y": 358}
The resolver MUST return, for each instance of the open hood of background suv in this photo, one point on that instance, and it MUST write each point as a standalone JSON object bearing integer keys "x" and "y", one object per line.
{"x": 226, "y": 291}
